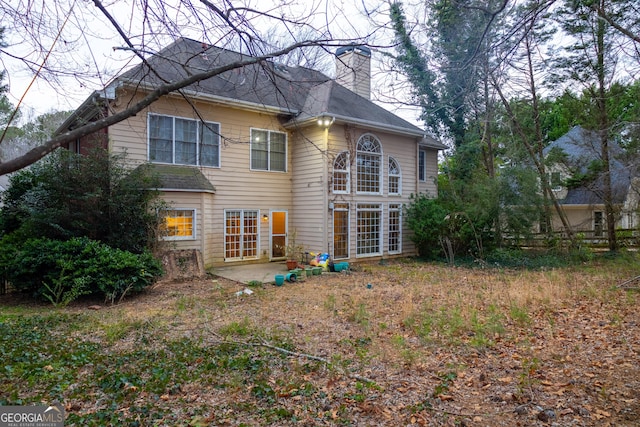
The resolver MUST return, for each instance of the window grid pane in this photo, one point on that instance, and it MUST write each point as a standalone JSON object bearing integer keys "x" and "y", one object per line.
{"x": 394, "y": 176}
{"x": 183, "y": 141}
{"x": 250, "y": 240}
{"x": 210, "y": 145}
{"x": 278, "y": 151}
{"x": 178, "y": 223}
{"x": 341, "y": 231}
{"x": 395, "y": 227}
{"x": 161, "y": 139}
{"x": 422, "y": 165}
{"x": 232, "y": 235}
{"x": 368, "y": 173}
{"x": 241, "y": 234}
{"x": 259, "y": 150}
{"x": 186, "y": 141}
{"x": 368, "y": 165}
{"x": 369, "y": 229}
{"x": 341, "y": 173}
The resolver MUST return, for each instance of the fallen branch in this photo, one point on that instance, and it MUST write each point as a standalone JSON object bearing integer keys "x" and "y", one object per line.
{"x": 265, "y": 344}
{"x": 627, "y": 282}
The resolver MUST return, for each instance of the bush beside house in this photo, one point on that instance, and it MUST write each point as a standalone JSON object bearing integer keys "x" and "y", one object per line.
{"x": 74, "y": 225}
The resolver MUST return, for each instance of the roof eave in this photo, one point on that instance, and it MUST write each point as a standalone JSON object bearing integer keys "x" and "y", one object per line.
{"x": 182, "y": 190}
{"x": 350, "y": 120}
{"x": 231, "y": 102}
{"x": 87, "y": 110}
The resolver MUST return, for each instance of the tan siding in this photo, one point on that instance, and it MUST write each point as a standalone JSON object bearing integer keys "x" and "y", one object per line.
{"x": 430, "y": 187}
{"x": 403, "y": 149}
{"x": 579, "y": 216}
{"x": 303, "y": 191}
{"x": 237, "y": 186}
{"x": 309, "y": 182}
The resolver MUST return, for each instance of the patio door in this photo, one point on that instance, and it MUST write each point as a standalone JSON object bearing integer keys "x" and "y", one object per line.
{"x": 278, "y": 234}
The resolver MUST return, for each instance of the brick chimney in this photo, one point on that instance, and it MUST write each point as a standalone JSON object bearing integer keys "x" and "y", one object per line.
{"x": 353, "y": 69}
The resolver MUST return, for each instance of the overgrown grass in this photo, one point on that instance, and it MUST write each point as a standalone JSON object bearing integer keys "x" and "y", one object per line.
{"x": 49, "y": 360}
{"x": 199, "y": 360}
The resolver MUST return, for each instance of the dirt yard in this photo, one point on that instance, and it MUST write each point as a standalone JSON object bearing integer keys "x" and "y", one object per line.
{"x": 399, "y": 344}
{"x": 430, "y": 344}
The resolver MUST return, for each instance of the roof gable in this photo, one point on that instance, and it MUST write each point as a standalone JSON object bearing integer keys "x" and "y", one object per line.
{"x": 581, "y": 147}
{"x": 299, "y": 94}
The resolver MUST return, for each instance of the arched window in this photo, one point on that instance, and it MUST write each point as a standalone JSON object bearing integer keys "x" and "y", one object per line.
{"x": 368, "y": 164}
{"x": 341, "y": 181}
{"x": 395, "y": 177}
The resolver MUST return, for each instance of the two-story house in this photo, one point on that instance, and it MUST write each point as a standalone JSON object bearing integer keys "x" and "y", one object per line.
{"x": 576, "y": 177}
{"x": 251, "y": 155}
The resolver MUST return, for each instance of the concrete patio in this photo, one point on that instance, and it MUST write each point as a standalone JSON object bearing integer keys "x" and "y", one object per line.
{"x": 264, "y": 272}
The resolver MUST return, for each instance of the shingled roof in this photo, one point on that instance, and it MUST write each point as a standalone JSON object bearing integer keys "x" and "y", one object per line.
{"x": 298, "y": 94}
{"x": 181, "y": 178}
{"x": 581, "y": 147}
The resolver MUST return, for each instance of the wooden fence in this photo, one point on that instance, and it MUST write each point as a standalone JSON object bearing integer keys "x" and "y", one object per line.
{"x": 627, "y": 238}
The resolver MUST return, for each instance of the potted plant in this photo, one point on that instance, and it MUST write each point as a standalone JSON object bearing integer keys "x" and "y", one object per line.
{"x": 293, "y": 252}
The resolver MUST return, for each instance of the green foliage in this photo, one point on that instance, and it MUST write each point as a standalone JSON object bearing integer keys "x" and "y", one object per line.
{"x": 426, "y": 217}
{"x": 64, "y": 289}
{"x": 60, "y": 271}
{"x": 94, "y": 195}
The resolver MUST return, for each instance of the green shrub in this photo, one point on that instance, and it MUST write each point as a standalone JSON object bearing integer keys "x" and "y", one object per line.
{"x": 426, "y": 217}
{"x": 60, "y": 271}
{"x": 94, "y": 195}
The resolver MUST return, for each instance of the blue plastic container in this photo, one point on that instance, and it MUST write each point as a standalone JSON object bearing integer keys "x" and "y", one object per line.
{"x": 279, "y": 279}
{"x": 291, "y": 277}
{"x": 341, "y": 266}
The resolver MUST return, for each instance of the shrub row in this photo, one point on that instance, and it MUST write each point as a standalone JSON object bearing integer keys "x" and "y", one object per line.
{"x": 61, "y": 271}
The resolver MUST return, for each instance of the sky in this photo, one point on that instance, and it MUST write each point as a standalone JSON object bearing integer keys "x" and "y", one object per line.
{"x": 84, "y": 45}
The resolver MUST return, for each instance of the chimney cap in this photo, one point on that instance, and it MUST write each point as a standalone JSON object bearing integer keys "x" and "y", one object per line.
{"x": 361, "y": 49}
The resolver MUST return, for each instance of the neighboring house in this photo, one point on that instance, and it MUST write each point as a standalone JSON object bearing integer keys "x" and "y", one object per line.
{"x": 251, "y": 155}
{"x": 577, "y": 182}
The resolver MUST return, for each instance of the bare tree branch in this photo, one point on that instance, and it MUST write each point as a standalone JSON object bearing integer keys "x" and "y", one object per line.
{"x": 162, "y": 90}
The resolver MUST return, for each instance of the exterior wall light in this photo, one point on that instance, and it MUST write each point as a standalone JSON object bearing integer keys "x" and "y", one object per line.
{"x": 326, "y": 121}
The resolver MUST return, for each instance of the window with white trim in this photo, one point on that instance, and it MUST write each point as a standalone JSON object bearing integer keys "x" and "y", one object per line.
{"x": 176, "y": 140}
{"x": 368, "y": 165}
{"x": 422, "y": 165}
{"x": 395, "y": 228}
{"x": 268, "y": 150}
{"x": 395, "y": 177}
{"x": 341, "y": 179}
{"x": 240, "y": 234}
{"x": 369, "y": 229}
{"x": 179, "y": 224}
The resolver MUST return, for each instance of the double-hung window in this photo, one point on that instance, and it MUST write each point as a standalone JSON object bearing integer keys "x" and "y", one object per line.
{"x": 180, "y": 141}
{"x": 268, "y": 150}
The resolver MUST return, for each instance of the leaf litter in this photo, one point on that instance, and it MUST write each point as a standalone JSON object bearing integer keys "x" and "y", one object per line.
{"x": 405, "y": 343}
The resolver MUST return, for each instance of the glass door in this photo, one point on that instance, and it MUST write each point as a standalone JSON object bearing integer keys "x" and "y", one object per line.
{"x": 278, "y": 234}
